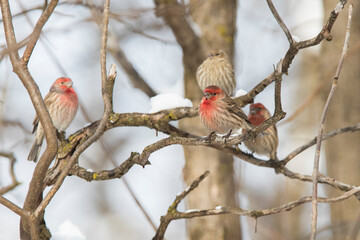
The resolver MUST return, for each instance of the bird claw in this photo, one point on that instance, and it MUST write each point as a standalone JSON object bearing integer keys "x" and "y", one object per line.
{"x": 209, "y": 138}
{"x": 60, "y": 135}
{"x": 226, "y": 136}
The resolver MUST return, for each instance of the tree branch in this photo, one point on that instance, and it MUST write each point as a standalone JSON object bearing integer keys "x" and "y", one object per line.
{"x": 107, "y": 85}
{"x": 292, "y": 52}
{"x": 174, "y": 214}
{"x": 314, "y": 140}
{"x": 37, "y": 30}
{"x": 172, "y": 210}
{"x": 315, "y": 173}
{"x": 280, "y": 21}
{"x": 117, "y": 172}
{"x": 13, "y": 207}
{"x": 14, "y": 182}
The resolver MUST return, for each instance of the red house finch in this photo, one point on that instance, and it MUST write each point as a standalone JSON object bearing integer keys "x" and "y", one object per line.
{"x": 217, "y": 70}
{"x": 220, "y": 113}
{"x": 267, "y": 144}
{"x": 62, "y": 104}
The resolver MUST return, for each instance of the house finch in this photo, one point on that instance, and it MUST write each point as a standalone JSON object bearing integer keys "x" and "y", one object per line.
{"x": 62, "y": 104}
{"x": 267, "y": 144}
{"x": 220, "y": 113}
{"x": 217, "y": 70}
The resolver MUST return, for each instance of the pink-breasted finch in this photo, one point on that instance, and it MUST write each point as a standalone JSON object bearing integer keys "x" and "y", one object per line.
{"x": 263, "y": 145}
{"x": 217, "y": 70}
{"x": 220, "y": 113}
{"x": 62, "y": 104}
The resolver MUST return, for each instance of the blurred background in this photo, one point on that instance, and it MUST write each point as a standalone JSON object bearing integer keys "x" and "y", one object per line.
{"x": 139, "y": 35}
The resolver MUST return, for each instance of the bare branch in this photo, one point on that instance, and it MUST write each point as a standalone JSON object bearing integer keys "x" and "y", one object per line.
{"x": 290, "y": 55}
{"x": 322, "y": 179}
{"x": 174, "y": 15}
{"x": 14, "y": 182}
{"x": 280, "y": 21}
{"x": 314, "y": 140}
{"x": 107, "y": 86}
{"x": 37, "y": 30}
{"x": 21, "y": 70}
{"x": 137, "y": 80}
{"x": 117, "y": 172}
{"x": 174, "y": 214}
{"x": 322, "y": 126}
{"x": 13, "y": 207}
{"x": 172, "y": 210}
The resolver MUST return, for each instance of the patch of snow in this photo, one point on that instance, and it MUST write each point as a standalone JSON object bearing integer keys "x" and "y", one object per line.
{"x": 168, "y": 100}
{"x": 240, "y": 92}
{"x": 68, "y": 231}
{"x": 296, "y": 38}
{"x": 192, "y": 210}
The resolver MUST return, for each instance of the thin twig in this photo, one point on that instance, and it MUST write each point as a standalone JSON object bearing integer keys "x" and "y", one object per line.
{"x": 37, "y": 30}
{"x": 128, "y": 187}
{"x": 331, "y": 134}
{"x": 315, "y": 173}
{"x": 136, "y": 79}
{"x": 14, "y": 181}
{"x": 280, "y": 21}
{"x": 315, "y": 92}
{"x": 172, "y": 210}
{"x": 174, "y": 214}
{"x": 13, "y": 207}
{"x": 20, "y": 68}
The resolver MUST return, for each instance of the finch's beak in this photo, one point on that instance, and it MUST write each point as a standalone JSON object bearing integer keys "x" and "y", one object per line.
{"x": 69, "y": 84}
{"x": 207, "y": 95}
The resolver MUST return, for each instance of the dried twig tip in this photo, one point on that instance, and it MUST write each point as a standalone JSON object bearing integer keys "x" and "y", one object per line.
{"x": 112, "y": 71}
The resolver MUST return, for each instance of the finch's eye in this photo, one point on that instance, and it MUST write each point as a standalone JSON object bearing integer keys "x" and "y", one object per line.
{"x": 214, "y": 94}
{"x": 217, "y": 54}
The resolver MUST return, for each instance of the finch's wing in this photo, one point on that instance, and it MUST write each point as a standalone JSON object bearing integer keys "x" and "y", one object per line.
{"x": 234, "y": 108}
{"x": 35, "y": 123}
{"x": 47, "y": 100}
{"x": 275, "y": 129}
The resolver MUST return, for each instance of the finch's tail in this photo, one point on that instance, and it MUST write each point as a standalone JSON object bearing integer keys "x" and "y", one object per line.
{"x": 35, "y": 150}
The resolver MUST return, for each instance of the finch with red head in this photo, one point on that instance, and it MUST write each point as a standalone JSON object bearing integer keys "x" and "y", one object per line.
{"x": 217, "y": 70}
{"x": 62, "y": 104}
{"x": 220, "y": 113}
{"x": 263, "y": 145}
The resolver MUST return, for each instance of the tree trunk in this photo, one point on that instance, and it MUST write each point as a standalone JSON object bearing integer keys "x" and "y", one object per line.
{"x": 216, "y": 19}
{"x": 342, "y": 152}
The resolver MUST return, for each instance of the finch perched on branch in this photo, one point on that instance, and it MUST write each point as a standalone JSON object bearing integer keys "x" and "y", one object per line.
{"x": 220, "y": 113}
{"x": 217, "y": 70}
{"x": 267, "y": 144}
{"x": 62, "y": 104}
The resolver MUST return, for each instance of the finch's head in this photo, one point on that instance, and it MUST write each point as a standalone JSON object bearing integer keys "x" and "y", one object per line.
{"x": 217, "y": 53}
{"x": 258, "y": 114}
{"x": 213, "y": 93}
{"x": 62, "y": 84}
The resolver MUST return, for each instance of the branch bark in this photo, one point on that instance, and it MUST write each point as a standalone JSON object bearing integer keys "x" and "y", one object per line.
{"x": 315, "y": 174}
